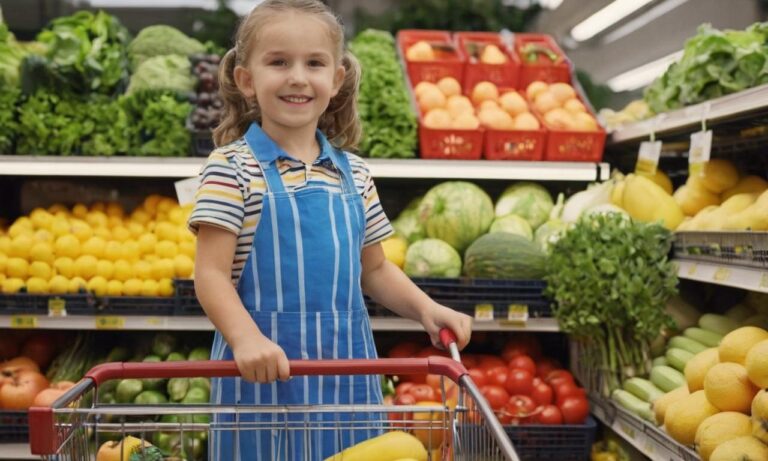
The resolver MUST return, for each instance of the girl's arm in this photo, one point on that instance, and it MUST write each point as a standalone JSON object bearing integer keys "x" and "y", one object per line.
{"x": 386, "y": 284}
{"x": 258, "y": 358}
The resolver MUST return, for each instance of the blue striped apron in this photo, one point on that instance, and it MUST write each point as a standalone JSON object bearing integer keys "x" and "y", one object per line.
{"x": 301, "y": 285}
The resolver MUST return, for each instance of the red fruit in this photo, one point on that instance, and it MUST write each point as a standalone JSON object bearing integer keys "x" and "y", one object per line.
{"x": 575, "y": 410}
{"x": 404, "y": 349}
{"x": 490, "y": 361}
{"x": 542, "y": 393}
{"x": 548, "y": 414}
{"x": 521, "y": 344}
{"x": 496, "y": 396}
{"x": 519, "y": 382}
{"x": 545, "y": 366}
{"x": 405, "y": 399}
{"x": 423, "y": 393}
{"x": 497, "y": 375}
{"x": 563, "y": 390}
{"x": 469, "y": 361}
{"x": 523, "y": 362}
{"x": 478, "y": 377}
{"x": 519, "y": 408}
{"x": 403, "y": 388}
{"x": 559, "y": 374}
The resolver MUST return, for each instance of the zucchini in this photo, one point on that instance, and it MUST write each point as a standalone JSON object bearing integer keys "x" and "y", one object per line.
{"x": 719, "y": 324}
{"x": 659, "y": 361}
{"x": 643, "y": 389}
{"x": 677, "y": 358}
{"x": 667, "y": 378}
{"x": 633, "y": 405}
{"x": 705, "y": 337}
{"x": 687, "y": 344}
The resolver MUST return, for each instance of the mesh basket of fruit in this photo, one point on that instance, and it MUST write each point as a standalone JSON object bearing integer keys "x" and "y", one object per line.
{"x": 430, "y": 55}
{"x": 541, "y": 60}
{"x": 488, "y": 59}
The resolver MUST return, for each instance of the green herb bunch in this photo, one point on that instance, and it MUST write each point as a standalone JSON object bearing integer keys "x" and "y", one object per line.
{"x": 610, "y": 278}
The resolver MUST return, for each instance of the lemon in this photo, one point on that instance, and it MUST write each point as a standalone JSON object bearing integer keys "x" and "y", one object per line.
{"x": 37, "y": 286}
{"x": 123, "y": 270}
{"x": 2, "y": 278}
{"x": 98, "y": 206}
{"x": 64, "y": 266}
{"x": 151, "y": 258}
{"x": 77, "y": 285}
{"x": 150, "y": 288}
{"x": 41, "y": 218}
{"x": 21, "y": 245}
{"x": 94, "y": 246}
{"x": 121, "y": 233}
{"x": 43, "y": 235}
{"x": 188, "y": 249}
{"x": 57, "y": 208}
{"x": 165, "y": 287}
{"x": 3, "y": 262}
{"x": 142, "y": 269}
{"x": 80, "y": 211}
{"x": 67, "y": 245}
{"x": 85, "y": 266}
{"x": 97, "y": 285}
{"x": 5, "y": 244}
{"x": 102, "y": 232}
{"x": 96, "y": 219}
{"x": 166, "y": 231}
{"x": 60, "y": 226}
{"x": 185, "y": 235}
{"x": 166, "y": 249}
{"x": 115, "y": 209}
{"x": 163, "y": 268}
{"x": 150, "y": 203}
{"x": 114, "y": 288}
{"x": 113, "y": 250}
{"x": 132, "y": 287}
{"x": 81, "y": 229}
{"x": 42, "y": 251}
{"x": 20, "y": 227}
{"x": 58, "y": 285}
{"x": 136, "y": 228}
{"x": 131, "y": 250}
{"x": 147, "y": 243}
{"x": 141, "y": 216}
{"x": 105, "y": 268}
{"x": 17, "y": 267}
{"x": 41, "y": 270}
{"x": 176, "y": 216}
{"x": 183, "y": 266}
{"x": 114, "y": 221}
{"x": 12, "y": 285}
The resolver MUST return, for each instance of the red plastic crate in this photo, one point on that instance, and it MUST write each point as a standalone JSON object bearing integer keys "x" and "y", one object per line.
{"x": 544, "y": 69}
{"x": 446, "y": 64}
{"x": 502, "y": 75}
{"x": 450, "y": 144}
{"x": 514, "y": 144}
{"x": 575, "y": 146}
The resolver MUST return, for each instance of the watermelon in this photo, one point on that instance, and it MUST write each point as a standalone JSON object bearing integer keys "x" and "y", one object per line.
{"x": 513, "y": 224}
{"x": 549, "y": 233}
{"x": 528, "y": 200}
{"x": 408, "y": 226}
{"x": 432, "y": 258}
{"x": 504, "y": 256}
{"x": 456, "y": 212}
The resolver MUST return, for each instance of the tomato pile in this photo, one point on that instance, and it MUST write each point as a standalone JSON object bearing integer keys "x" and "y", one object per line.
{"x": 521, "y": 385}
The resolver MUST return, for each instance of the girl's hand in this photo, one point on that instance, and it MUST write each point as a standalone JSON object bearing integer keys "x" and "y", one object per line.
{"x": 260, "y": 360}
{"x": 438, "y": 317}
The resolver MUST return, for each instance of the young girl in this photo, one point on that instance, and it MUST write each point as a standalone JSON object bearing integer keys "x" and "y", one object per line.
{"x": 289, "y": 228}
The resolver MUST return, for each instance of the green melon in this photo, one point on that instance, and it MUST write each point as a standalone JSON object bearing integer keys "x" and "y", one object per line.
{"x": 504, "y": 256}
{"x": 529, "y": 200}
{"x": 432, "y": 258}
{"x": 512, "y": 224}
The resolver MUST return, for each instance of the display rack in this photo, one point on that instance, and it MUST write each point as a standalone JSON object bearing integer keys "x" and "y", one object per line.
{"x": 16, "y": 451}
{"x": 721, "y": 274}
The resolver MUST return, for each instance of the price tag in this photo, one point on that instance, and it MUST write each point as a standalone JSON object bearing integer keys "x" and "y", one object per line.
{"x": 154, "y": 321}
{"x": 23, "y": 321}
{"x": 701, "y": 148}
{"x": 517, "y": 313}
{"x": 648, "y": 158}
{"x": 692, "y": 270}
{"x": 764, "y": 280}
{"x": 484, "y": 312}
{"x": 57, "y": 307}
{"x": 186, "y": 189}
{"x": 722, "y": 274}
{"x": 109, "y": 322}
{"x": 625, "y": 428}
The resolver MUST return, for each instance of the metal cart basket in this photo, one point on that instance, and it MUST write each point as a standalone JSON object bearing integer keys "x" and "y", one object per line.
{"x": 461, "y": 427}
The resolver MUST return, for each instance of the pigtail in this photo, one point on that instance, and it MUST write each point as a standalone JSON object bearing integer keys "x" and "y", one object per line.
{"x": 237, "y": 113}
{"x": 341, "y": 122}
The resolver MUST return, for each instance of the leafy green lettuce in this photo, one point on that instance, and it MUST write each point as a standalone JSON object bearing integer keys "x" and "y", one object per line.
{"x": 159, "y": 40}
{"x": 159, "y": 119}
{"x": 169, "y": 72}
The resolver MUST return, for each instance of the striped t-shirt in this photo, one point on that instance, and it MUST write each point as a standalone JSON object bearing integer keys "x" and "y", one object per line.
{"x": 232, "y": 186}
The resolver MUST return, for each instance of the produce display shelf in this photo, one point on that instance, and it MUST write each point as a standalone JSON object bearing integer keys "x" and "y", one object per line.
{"x": 722, "y": 274}
{"x": 742, "y": 105}
{"x": 16, "y": 451}
{"x": 160, "y": 167}
{"x": 200, "y": 323}
{"x": 650, "y": 440}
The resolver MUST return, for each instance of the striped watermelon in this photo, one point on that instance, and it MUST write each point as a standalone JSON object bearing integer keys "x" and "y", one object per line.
{"x": 504, "y": 256}
{"x": 456, "y": 212}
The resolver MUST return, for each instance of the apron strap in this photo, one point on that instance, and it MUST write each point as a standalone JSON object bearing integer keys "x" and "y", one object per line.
{"x": 341, "y": 162}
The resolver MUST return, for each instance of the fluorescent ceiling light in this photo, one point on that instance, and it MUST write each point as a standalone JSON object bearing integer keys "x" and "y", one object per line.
{"x": 241, "y": 7}
{"x": 550, "y": 4}
{"x": 640, "y": 21}
{"x": 605, "y": 18}
{"x": 643, "y": 75}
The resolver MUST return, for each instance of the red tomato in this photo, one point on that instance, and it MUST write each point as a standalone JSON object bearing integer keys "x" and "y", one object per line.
{"x": 478, "y": 377}
{"x": 546, "y": 365}
{"x": 564, "y": 390}
{"x": 434, "y": 381}
{"x": 497, "y": 375}
{"x": 496, "y": 396}
{"x": 20, "y": 392}
{"x": 405, "y": 399}
{"x": 403, "y": 388}
{"x": 548, "y": 414}
{"x": 404, "y": 349}
{"x": 423, "y": 393}
{"x": 536, "y": 381}
{"x": 430, "y": 351}
{"x": 559, "y": 374}
{"x": 519, "y": 382}
{"x": 521, "y": 344}
{"x": 519, "y": 408}
{"x": 575, "y": 410}
{"x": 542, "y": 393}
{"x": 486, "y": 362}
{"x": 523, "y": 362}
{"x": 46, "y": 397}
{"x": 469, "y": 361}
{"x": 40, "y": 348}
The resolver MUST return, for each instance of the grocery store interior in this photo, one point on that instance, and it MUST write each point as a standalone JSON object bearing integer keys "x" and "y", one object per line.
{"x": 586, "y": 179}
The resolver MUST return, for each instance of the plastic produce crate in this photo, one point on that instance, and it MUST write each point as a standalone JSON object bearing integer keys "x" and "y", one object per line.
{"x": 186, "y": 302}
{"x": 23, "y": 303}
{"x": 748, "y": 249}
{"x": 515, "y": 144}
{"x": 73, "y": 304}
{"x": 475, "y": 71}
{"x": 14, "y": 426}
{"x": 543, "y": 69}
{"x": 449, "y": 60}
{"x": 575, "y": 146}
{"x": 450, "y": 144}
{"x": 567, "y": 442}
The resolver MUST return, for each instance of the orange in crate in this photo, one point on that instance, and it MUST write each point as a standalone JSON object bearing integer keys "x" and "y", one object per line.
{"x": 430, "y": 55}
{"x": 488, "y": 59}
{"x": 540, "y": 59}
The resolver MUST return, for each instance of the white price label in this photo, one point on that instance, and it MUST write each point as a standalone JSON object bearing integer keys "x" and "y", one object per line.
{"x": 701, "y": 148}
{"x": 57, "y": 307}
{"x": 484, "y": 312}
{"x": 517, "y": 313}
{"x": 648, "y": 157}
{"x": 186, "y": 189}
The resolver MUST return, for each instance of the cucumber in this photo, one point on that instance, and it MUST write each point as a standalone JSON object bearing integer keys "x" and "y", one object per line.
{"x": 677, "y": 358}
{"x": 719, "y": 324}
{"x": 686, "y": 344}
{"x": 633, "y": 405}
{"x": 643, "y": 389}
{"x": 705, "y": 337}
{"x": 739, "y": 313}
{"x": 659, "y": 361}
{"x": 667, "y": 378}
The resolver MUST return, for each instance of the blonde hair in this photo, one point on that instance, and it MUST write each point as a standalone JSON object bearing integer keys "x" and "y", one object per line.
{"x": 339, "y": 122}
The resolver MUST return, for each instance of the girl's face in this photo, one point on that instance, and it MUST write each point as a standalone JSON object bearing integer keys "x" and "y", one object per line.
{"x": 292, "y": 71}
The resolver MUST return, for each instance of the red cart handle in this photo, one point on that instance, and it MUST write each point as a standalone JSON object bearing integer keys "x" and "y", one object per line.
{"x": 447, "y": 337}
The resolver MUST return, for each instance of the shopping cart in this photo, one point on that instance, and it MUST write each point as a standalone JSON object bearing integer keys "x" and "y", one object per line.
{"x": 76, "y": 425}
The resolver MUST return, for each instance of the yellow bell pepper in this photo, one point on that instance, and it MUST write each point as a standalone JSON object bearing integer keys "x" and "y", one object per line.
{"x": 645, "y": 200}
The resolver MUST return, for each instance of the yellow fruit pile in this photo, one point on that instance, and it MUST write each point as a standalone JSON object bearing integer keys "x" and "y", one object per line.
{"x": 99, "y": 248}
{"x": 446, "y": 108}
{"x": 560, "y": 108}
